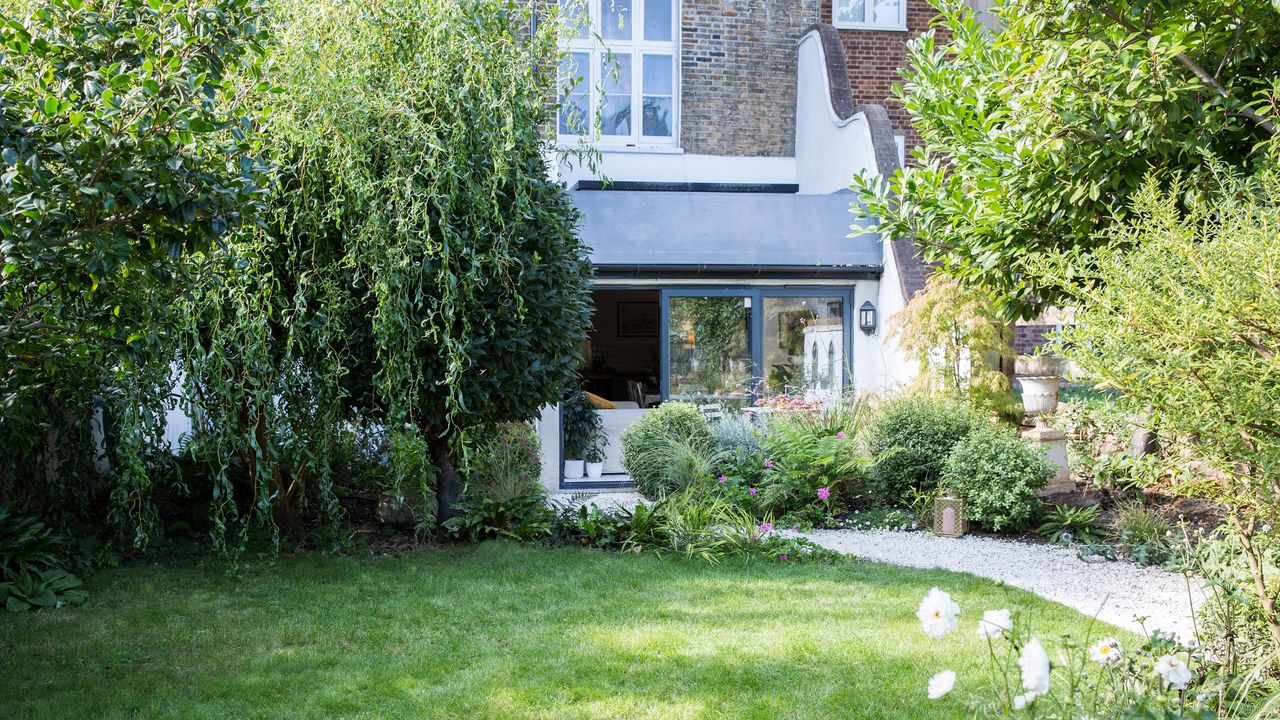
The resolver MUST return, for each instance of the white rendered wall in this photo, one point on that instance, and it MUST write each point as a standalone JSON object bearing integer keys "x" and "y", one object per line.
{"x": 830, "y": 151}
{"x": 675, "y": 166}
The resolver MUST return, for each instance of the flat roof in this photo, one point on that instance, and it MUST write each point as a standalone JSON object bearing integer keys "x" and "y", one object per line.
{"x": 724, "y": 233}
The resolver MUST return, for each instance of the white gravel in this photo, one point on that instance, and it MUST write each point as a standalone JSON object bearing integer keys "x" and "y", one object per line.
{"x": 1116, "y": 592}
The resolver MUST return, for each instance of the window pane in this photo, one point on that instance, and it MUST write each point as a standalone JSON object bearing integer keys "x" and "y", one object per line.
{"x": 615, "y": 19}
{"x": 574, "y": 13}
{"x": 575, "y": 107}
{"x": 615, "y": 73}
{"x": 804, "y": 346}
{"x": 885, "y": 12}
{"x": 709, "y": 340}
{"x": 657, "y": 117}
{"x": 851, "y": 11}
{"x": 657, "y": 19}
{"x": 657, "y": 75}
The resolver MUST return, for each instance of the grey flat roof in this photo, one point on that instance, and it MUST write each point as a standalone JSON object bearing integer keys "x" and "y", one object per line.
{"x": 724, "y": 232}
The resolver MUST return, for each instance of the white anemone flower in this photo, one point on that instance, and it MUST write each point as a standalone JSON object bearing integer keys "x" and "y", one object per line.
{"x": 1034, "y": 662}
{"x": 941, "y": 684}
{"x": 994, "y": 623}
{"x": 1173, "y": 671}
{"x": 1105, "y": 652}
{"x": 937, "y": 614}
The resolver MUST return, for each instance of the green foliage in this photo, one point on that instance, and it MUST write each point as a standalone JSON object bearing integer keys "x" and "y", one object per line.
{"x": 505, "y": 462}
{"x": 997, "y": 475}
{"x": 527, "y": 517}
{"x": 648, "y": 442}
{"x": 705, "y": 526}
{"x": 910, "y": 439}
{"x": 418, "y": 268}
{"x": 1066, "y": 524}
{"x": 1035, "y": 136}
{"x": 32, "y": 565}
{"x": 1184, "y": 325}
{"x": 881, "y": 518}
{"x": 1144, "y": 531}
{"x": 581, "y": 426}
{"x": 738, "y": 442}
{"x": 954, "y": 334}
{"x": 127, "y": 143}
{"x": 1233, "y": 621}
{"x": 805, "y": 454}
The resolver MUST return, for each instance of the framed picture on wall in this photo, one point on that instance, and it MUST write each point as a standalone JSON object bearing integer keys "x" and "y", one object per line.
{"x": 637, "y": 319}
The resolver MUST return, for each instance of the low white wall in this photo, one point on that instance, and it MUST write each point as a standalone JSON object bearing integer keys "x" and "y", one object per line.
{"x": 548, "y": 427}
{"x": 674, "y": 166}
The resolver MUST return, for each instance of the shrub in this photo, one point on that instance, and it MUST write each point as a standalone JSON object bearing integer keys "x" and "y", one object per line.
{"x": 32, "y": 565}
{"x": 1145, "y": 532}
{"x": 505, "y": 461}
{"x": 808, "y": 465}
{"x": 910, "y": 440}
{"x": 739, "y": 445}
{"x": 998, "y": 475}
{"x": 582, "y": 425}
{"x": 1066, "y": 524}
{"x": 647, "y": 444}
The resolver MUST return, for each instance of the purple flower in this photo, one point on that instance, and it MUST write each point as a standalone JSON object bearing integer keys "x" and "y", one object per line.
{"x": 751, "y": 492}
{"x": 783, "y": 557}
{"x": 840, "y": 435}
{"x": 768, "y": 463}
{"x": 723, "y": 479}
{"x": 824, "y": 493}
{"x": 766, "y": 528}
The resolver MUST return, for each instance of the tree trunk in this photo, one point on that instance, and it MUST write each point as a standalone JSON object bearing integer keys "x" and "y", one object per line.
{"x": 1265, "y": 598}
{"x": 448, "y": 480}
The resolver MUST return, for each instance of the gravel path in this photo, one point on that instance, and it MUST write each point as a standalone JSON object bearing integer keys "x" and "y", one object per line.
{"x": 1117, "y": 592}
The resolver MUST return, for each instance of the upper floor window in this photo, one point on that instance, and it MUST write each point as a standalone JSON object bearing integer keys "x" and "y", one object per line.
{"x": 625, "y": 57}
{"x": 870, "y": 14}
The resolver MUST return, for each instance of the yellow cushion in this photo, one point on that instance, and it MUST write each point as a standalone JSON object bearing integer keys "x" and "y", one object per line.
{"x": 599, "y": 402}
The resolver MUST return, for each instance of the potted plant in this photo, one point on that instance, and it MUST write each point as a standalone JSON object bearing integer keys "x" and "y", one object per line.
{"x": 595, "y": 454}
{"x": 580, "y": 422}
{"x": 1041, "y": 377}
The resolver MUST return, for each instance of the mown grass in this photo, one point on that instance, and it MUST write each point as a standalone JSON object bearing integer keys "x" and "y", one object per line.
{"x": 502, "y": 631}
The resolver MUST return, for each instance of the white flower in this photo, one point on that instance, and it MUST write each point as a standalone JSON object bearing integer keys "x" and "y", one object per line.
{"x": 1173, "y": 671}
{"x": 937, "y": 614}
{"x": 941, "y": 684}
{"x": 1034, "y": 662}
{"x": 1022, "y": 701}
{"x": 1105, "y": 652}
{"x": 994, "y": 623}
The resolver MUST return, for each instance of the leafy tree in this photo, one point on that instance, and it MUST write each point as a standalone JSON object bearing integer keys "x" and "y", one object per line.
{"x": 1185, "y": 324}
{"x": 419, "y": 269}
{"x": 1035, "y": 136}
{"x": 125, "y": 146}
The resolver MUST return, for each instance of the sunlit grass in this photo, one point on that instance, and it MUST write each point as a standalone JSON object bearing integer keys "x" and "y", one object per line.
{"x": 502, "y": 631}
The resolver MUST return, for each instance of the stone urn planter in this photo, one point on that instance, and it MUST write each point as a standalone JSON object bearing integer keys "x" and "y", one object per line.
{"x": 1040, "y": 394}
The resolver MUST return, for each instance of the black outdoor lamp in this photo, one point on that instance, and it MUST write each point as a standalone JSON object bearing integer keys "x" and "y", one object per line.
{"x": 867, "y": 318}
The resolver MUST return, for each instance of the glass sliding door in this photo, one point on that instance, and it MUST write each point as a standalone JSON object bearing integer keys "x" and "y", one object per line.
{"x": 709, "y": 348}
{"x": 804, "y": 346}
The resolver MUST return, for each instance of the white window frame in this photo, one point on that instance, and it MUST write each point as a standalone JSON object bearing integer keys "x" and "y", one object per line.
{"x": 900, "y": 24}
{"x": 637, "y": 47}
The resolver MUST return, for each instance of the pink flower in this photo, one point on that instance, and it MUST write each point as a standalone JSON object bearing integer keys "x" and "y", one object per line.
{"x": 783, "y": 557}
{"x": 824, "y": 493}
{"x": 840, "y": 435}
{"x": 766, "y": 528}
{"x": 723, "y": 479}
{"x": 751, "y": 492}
{"x": 768, "y": 463}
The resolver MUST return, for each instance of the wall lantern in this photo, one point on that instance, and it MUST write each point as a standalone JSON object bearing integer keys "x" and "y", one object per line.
{"x": 867, "y": 318}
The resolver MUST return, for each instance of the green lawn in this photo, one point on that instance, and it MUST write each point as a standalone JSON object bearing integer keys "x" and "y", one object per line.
{"x": 501, "y": 631}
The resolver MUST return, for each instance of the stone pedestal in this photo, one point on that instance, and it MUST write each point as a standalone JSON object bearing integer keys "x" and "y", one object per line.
{"x": 1054, "y": 445}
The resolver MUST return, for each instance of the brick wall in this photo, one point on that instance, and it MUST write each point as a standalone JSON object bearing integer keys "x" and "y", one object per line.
{"x": 875, "y": 58}
{"x": 738, "y": 75}
{"x": 1027, "y": 339}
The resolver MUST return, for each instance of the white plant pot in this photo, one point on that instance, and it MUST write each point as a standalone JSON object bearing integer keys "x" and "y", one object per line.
{"x": 595, "y": 470}
{"x": 1040, "y": 394}
{"x": 572, "y": 469}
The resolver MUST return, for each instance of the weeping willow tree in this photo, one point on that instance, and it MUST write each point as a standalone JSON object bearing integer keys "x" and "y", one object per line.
{"x": 419, "y": 269}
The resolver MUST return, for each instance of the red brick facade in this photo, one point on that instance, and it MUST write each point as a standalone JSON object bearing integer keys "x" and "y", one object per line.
{"x": 875, "y": 58}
